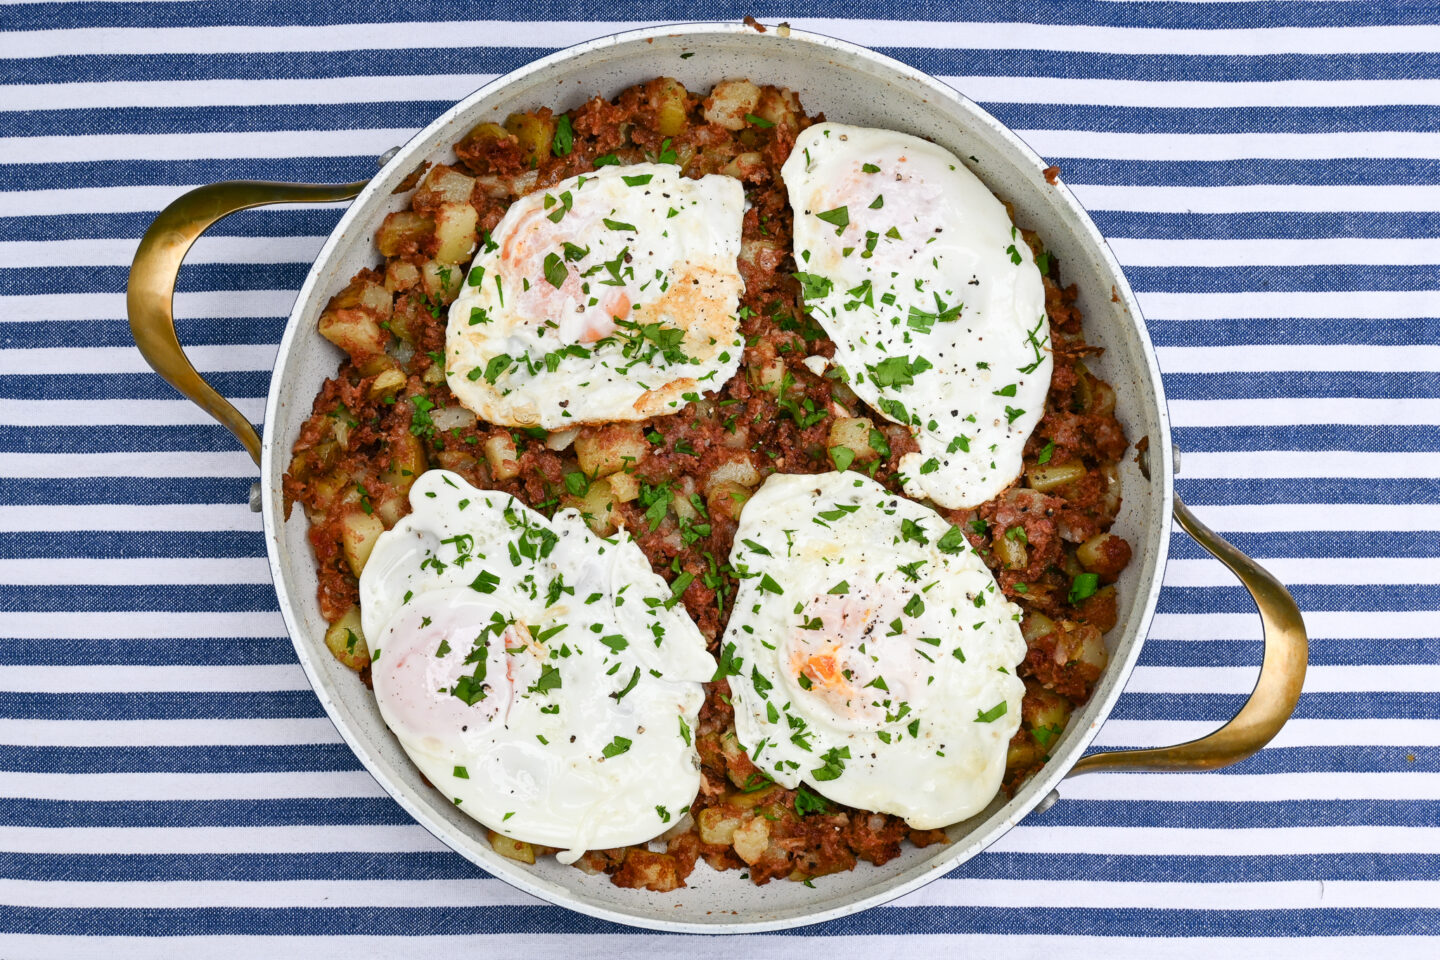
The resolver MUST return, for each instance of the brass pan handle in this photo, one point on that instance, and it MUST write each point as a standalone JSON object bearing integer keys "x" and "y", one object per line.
{"x": 1282, "y": 673}
{"x": 149, "y": 298}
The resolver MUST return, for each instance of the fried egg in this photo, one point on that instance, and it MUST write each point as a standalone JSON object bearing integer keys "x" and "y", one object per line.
{"x": 606, "y": 297}
{"x": 543, "y": 678}
{"x": 932, "y": 298}
{"x": 870, "y": 653}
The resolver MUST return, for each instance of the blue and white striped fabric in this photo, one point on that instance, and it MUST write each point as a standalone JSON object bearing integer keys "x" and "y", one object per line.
{"x": 1269, "y": 173}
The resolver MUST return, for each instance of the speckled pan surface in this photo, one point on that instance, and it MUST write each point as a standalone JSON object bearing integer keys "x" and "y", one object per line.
{"x": 849, "y": 84}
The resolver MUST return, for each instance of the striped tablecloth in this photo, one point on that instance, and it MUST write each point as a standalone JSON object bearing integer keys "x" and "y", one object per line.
{"x": 1267, "y": 172}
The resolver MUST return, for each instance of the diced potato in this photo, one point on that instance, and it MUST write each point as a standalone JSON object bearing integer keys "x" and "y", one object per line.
{"x": 716, "y": 827}
{"x": 560, "y": 439}
{"x": 391, "y": 508}
{"x": 1096, "y": 396}
{"x": 501, "y": 456}
{"x": 511, "y": 849}
{"x": 357, "y": 333}
{"x": 346, "y": 640}
{"x": 755, "y": 798}
{"x": 738, "y": 470}
{"x": 453, "y": 417}
{"x": 1036, "y": 625}
{"x": 1103, "y": 553}
{"x": 483, "y": 133}
{"x": 1044, "y": 708}
{"x": 671, "y": 105}
{"x": 441, "y": 281}
{"x": 455, "y": 229}
{"x": 611, "y": 448}
{"x": 407, "y": 461}
{"x": 402, "y": 231}
{"x": 1050, "y": 476}
{"x": 751, "y": 839}
{"x": 1111, "y": 473}
{"x": 853, "y": 434}
{"x": 1011, "y": 551}
{"x": 387, "y": 382}
{"x": 597, "y": 506}
{"x": 358, "y": 533}
{"x": 534, "y": 133}
{"x": 1081, "y": 643}
{"x": 730, "y": 101}
{"x": 746, "y": 166}
{"x": 726, "y": 498}
{"x": 769, "y": 375}
{"x": 779, "y": 106}
{"x": 624, "y": 486}
{"x": 1020, "y": 755}
{"x": 444, "y": 184}
{"x": 401, "y": 275}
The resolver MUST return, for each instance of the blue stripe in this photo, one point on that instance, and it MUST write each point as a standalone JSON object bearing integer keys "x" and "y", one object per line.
{"x": 258, "y": 758}
{"x": 1310, "y": 597}
{"x": 1284, "y": 279}
{"x": 106, "y": 544}
{"x": 1306, "y": 490}
{"x": 285, "y": 221}
{"x": 1359, "y": 542}
{"x": 1287, "y": 384}
{"x": 361, "y": 865}
{"x": 276, "y": 704}
{"x": 1190, "y": 16}
{"x": 106, "y": 651}
{"x": 1001, "y": 62}
{"x": 1228, "y": 173}
{"x": 1263, "y": 225}
{"x": 1302, "y": 330}
{"x": 1278, "y": 384}
{"x": 129, "y": 173}
{"x": 82, "y": 814}
{"x": 29, "y": 334}
{"x": 205, "y": 705}
{"x": 148, "y": 491}
{"x": 417, "y": 113}
{"x": 125, "y": 386}
{"x": 35, "y": 281}
{"x": 511, "y": 920}
{"x": 206, "y": 437}
{"x": 1323, "y": 652}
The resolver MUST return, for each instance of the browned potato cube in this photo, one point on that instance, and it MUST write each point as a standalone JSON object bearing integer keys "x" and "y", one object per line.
{"x": 358, "y": 533}
{"x": 534, "y": 131}
{"x": 407, "y": 461}
{"x": 455, "y": 230}
{"x": 611, "y": 448}
{"x": 730, "y": 101}
{"x": 501, "y": 456}
{"x": 511, "y": 849}
{"x": 444, "y": 185}
{"x": 402, "y": 232}
{"x": 347, "y": 642}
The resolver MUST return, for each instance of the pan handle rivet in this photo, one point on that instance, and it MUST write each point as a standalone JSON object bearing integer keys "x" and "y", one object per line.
{"x": 255, "y": 497}
{"x": 1047, "y": 801}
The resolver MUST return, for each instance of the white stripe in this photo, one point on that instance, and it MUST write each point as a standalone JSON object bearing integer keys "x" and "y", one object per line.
{"x": 124, "y": 516}
{"x": 143, "y": 413}
{"x": 145, "y": 625}
{"x": 1317, "y": 304}
{"x": 1248, "y": 358}
{"x": 101, "y": 360}
{"x": 266, "y": 144}
{"x": 1251, "y": 788}
{"x": 168, "y": 733}
{"x": 83, "y": 95}
{"x": 654, "y": 946}
{"x": 136, "y": 678}
{"x": 1361, "y": 571}
{"x": 217, "y": 304}
{"x": 1319, "y": 625}
{"x": 1220, "y": 841}
{"x": 1364, "y": 732}
{"x": 1168, "y": 146}
{"x": 1258, "y": 464}
{"x": 251, "y": 144}
{"x": 139, "y": 571}
{"x": 1274, "y": 517}
{"x": 55, "y": 202}
{"x": 1319, "y": 679}
{"x": 161, "y": 463}
{"x": 945, "y": 892}
{"x": 148, "y": 787}
{"x": 1284, "y": 252}
{"x": 120, "y": 252}
{"x": 406, "y": 838}
{"x": 1242, "y": 199}
{"x": 874, "y": 33}
{"x": 1285, "y": 411}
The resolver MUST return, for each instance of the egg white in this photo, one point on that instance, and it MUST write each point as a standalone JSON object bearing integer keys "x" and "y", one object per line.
{"x": 932, "y": 298}
{"x": 542, "y": 677}
{"x": 870, "y": 653}
{"x": 606, "y": 297}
